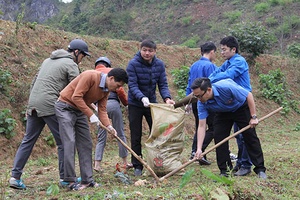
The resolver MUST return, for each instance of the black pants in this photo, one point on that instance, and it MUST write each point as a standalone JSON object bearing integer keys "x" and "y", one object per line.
{"x": 209, "y": 134}
{"x": 135, "y": 115}
{"x": 222, "y": 128}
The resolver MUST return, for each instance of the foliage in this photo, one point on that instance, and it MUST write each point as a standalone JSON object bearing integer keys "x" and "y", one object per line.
{"x": 50, "y": 140}
{"x": 220, "y": 179}
{"x": 294, "y": 50}
{"x": 253, "y": 38}
{"x": 5, "y": 80}
{"x": 53, "y": 190}
{"x": 7, "y": 123}
{"x": 20, "y": 18}
{"x": 262, "y": 7}
{"x": 192, "y": 42}
{"x": 274, "y": 86}
{"x": 233, "y": 15}
{"x": 180, "y": 77}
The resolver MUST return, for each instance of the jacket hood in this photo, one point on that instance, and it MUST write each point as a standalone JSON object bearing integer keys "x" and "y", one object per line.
{"x": 60, "y": 53}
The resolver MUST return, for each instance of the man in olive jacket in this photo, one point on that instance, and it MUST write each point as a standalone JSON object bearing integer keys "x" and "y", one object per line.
{"x": 55, "y": 73}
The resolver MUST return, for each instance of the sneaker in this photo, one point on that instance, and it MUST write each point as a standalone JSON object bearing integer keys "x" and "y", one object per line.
{"x": 192, "y": 156}
{"x": 233, "y": 157}
{"x": 203, "y": 161}
{"x": 17, "y": 184}
{"x": 242, "y": 172}
{"x": 137, "y": 172}
{"x": 63, "y": 183}
{"x": 262, "y": 175}
{"x": 78, "y": 186}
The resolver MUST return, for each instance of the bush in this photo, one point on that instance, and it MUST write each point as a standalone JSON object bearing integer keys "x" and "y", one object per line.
{"x": 180, "y": 77}
{"x": 294, "y": 50}
{"x": 5, "y": 80}
{"x": 262, "y": 7}
{"x": 274, "y": 87}
{"x": 253, "y": 38}
{"x": 192, "y": 42}
{"x": 7, "y": 123}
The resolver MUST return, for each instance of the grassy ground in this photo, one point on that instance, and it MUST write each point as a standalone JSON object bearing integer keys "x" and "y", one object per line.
{"x": 280, "y": 144}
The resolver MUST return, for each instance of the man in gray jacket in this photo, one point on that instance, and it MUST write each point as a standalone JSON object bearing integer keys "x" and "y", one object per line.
{"x": 54, "y": 74}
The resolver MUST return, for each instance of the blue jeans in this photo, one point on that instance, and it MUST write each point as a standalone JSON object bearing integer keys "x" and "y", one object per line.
{"x": 243, "y": 160}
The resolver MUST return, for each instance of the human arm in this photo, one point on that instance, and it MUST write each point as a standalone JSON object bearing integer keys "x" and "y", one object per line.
{"x": 122, "y": 96}
{"x": 251, "y": 104}
{"x": 200, "y": 137}
{"x": 236, "y": 67}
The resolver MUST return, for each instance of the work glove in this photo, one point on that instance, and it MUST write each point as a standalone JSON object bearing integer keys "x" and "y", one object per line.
{"x": 112, "y": 130}
{"x": 94, "y": 119}
{"x": 188, "y": 109}
{"x": 146, "y": 102}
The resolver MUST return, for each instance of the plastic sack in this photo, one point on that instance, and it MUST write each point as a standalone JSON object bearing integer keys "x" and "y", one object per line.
{"x": 165, "y": 143}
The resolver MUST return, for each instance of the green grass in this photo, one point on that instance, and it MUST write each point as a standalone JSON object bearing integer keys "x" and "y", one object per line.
{"x": 280, "y": 143}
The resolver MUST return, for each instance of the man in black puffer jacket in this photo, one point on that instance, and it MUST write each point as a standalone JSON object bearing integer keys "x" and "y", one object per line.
{"x": 145, "y": 73}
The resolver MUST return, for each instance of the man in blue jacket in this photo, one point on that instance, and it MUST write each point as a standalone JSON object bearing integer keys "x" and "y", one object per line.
{"x": 231, "y": 104}
{"x": 236, "y": 68}
{"x": 145, "y": 73}
{"x": 202, "y": 68}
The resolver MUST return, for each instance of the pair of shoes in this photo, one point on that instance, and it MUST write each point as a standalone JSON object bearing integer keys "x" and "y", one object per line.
{"x": 78, "y": 186}
{"x": 203, "y": 161}
{"x": 262, "y": 175}
{"x": 137, "y": 172}
{"x": 17, "y": 184}
{"x": 63, "y": 183}
{"x": 242, "y": 172}
{"x": 233, "y": 157}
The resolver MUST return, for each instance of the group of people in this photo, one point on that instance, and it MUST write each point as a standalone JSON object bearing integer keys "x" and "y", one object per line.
{"x": 67, "y": 100}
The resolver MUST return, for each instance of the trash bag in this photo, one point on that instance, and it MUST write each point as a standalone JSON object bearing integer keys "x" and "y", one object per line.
{"x": 166, "y": 140}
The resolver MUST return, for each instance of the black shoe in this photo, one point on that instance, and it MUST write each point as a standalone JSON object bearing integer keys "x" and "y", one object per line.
{"x": 192, "y": 156}
{"x": 137, "y": 172}
{"x": 235, "y": 169}
{"x": 225, "y": 174}
{"x": 262, "y": 175}
{"x": 203, "y": 161}
{"x": 242, "y": 172}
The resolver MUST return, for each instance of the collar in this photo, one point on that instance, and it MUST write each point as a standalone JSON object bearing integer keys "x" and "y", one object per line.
{"x": 102, "y": 82}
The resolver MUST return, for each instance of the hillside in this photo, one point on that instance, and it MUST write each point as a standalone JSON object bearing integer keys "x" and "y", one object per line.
{"x": 21, "y": 55}
{"x": 173, "y": 22}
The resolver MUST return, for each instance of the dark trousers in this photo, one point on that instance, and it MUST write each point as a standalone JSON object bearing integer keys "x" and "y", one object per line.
{"x": 209, "y": 134}
{"x": 222, "y": 127}
{"x": 135, "y": 115}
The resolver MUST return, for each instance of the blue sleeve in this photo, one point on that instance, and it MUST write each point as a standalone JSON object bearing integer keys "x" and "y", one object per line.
{"x": 133, "y": 82}
{"x": 235, "y": 69}
{"x": 163, "y": 84}
{"x": 202, "y": 111}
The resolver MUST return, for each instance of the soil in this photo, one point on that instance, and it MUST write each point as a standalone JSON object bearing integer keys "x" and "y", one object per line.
{"x": 23, "y": 53}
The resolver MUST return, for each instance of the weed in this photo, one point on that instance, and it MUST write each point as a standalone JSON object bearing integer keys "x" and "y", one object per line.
{"x": 181, "y": 76}
{"x": 5, "y": 80}
{"x": 7, "y": 123}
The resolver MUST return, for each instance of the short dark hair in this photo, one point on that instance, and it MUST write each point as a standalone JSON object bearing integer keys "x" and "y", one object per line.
{"x": 231, "y": 42}
{"x": 207, "y": 47}
{"x": 119, "y": 74}
{"x": 202, "y": 83}
{"x": 148, "y": 43}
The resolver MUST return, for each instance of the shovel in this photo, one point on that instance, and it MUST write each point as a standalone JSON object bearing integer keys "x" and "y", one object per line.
{"x": 217, "y": 145}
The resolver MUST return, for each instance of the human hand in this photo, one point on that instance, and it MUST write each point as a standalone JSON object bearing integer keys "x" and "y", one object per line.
{"x": 188, "y": 108}
{"x": 146, "y": 102}
{"x": 112, "y": 130}
{"x": 198, "y": 154}
{"x": 94, "y": 119}
{"x": 170, "y": 101}
{"x": 253, "y": 122}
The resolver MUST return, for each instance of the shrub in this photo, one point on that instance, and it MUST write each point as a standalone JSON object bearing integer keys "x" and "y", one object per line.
{"x": 262, "y": 7}
{"x": 7, "y": 123}
{"x": 274, "y": 87}
{"x": 232, "y": 15}
{"x": 5, "y": 80}
{"x": 192, "y": 42}
{"x": 294, "y": 50}
{"x": 180, "y": 77}
{"x": 253, "y": 38}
